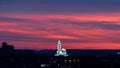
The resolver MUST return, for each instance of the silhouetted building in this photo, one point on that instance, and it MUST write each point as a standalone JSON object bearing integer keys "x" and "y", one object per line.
{"x": 6, "y": 47}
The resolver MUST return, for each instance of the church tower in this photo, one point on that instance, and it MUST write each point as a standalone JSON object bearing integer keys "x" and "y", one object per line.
{"x": 60, "y": 51}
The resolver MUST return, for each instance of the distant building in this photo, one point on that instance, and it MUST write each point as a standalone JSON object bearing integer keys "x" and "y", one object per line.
{"x": 60, "y": 51}
{"x": 6, "y": 47}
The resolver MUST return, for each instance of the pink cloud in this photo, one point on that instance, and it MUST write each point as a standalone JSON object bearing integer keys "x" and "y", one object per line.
{"x": 66, "y": 27}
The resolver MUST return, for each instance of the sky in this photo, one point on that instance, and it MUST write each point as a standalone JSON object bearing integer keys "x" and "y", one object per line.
{"x": 79, "y": 24}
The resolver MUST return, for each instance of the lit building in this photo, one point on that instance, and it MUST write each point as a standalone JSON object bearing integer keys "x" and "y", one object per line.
{"x": 60, "y": 51}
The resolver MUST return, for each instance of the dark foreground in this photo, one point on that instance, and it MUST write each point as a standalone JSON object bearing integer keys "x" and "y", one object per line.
{"x": 10, "y": 58}
{"x": 30, "y": 59}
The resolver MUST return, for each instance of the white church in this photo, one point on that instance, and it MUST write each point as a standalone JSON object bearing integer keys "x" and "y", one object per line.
{"x": 60, "y": 51}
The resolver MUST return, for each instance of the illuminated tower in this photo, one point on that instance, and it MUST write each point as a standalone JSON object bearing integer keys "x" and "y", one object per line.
{"x": 60, "y": 51}
{"x": 59, "y": 47}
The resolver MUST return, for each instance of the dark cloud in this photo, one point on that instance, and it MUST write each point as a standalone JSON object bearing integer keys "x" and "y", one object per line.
{"x": 107, "y": 25}
{"x": 102, "y": 25}
{"x": 17, "y": 20}
{"x": 12, "y": 36}
{"x": 79, "y": 24}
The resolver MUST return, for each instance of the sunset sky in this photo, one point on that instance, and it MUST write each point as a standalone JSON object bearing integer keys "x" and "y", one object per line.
{"x": 79, "y": 24}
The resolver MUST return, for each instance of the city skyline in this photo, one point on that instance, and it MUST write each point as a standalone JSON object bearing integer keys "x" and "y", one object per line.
{"x": 79, "y": 24}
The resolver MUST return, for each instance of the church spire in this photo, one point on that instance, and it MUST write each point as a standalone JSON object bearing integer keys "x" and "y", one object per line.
{"x": 60, "y": 51}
